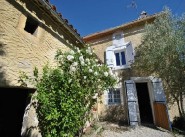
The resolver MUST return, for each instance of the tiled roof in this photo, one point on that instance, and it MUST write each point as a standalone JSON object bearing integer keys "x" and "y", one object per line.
{"x": 123, "y": 26}
{"x": 57, "y": 15}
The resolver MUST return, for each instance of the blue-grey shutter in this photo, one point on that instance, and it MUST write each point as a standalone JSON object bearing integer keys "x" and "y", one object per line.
{"x": 159, "y": 95}
{"x": 133, "y": 110}
{"x": 110, "y": 57}
{"x": 129, "y": 53}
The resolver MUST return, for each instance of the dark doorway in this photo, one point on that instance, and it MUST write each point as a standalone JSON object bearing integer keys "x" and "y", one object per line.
{"x": 13, "y": 102}
{"x": 144, "y": 103}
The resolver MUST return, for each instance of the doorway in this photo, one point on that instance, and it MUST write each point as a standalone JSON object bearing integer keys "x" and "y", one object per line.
{"x": 145, "y": 109}
{"x": 13, "y": 102}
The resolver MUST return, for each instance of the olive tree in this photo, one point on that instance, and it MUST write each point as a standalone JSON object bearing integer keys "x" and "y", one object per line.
{"x": 162, "y": 54}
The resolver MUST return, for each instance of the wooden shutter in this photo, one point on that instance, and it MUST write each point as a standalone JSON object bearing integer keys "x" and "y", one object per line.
{"x": 129, "y": 53}
{"x": 132, "y": 102}
{"x": 160, "y": 108}
{"x": 110, "y": 56}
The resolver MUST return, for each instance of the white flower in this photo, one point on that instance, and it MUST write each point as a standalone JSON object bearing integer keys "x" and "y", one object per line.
{"x": 82, "y": 63}
{"x": 72, "y": 69}
{"x": 90, "y": 70}
{"x": 72, "y": 52}
{"x": 70, "y": 57}
{"x": 96, "y": 60}
{"x": 106, "y": 74}
{"x": 74, "y": 64}
{"x": 78, "y": 50}
{"x": 85, "y": 77}
{"x": 87, "y": 60}
{"x": 95, "y": 96}
{"x": 95, "y": 73}
{"x": 110, "y": 72}
{"x": 60, "y": 57}
{"x": 89, "y": 50}
{"x": 70, "y": 80}
{"x": 81, "y": 58}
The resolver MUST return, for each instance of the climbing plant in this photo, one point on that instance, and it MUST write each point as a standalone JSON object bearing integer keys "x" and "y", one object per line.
{"x": 67, "y": 92}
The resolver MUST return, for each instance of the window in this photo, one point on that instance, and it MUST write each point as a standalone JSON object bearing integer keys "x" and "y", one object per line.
{"x": 118, "y": 36}
{"x": 120, "y": 58}
{"x": 114, "y": 96}
{"x": 31, "y": 25}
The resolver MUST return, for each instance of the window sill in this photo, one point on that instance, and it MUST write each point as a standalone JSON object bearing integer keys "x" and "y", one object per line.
{"x": 121, "y": 67}
{"x": 114, "y": 104}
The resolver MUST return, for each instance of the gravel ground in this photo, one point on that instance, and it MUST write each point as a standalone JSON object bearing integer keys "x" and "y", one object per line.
{"x": 137, "y": 132}
{"x": 113, "y": 130}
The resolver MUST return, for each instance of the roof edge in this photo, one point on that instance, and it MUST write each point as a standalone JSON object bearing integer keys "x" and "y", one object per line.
{"x": 113, "y": 29}
{"x": 62, "y": 21}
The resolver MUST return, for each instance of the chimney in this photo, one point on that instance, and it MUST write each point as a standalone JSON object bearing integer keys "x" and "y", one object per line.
{"x": 143, "y": 14}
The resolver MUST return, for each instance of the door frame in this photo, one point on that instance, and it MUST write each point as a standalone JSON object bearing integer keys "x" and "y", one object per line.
{"x": 147, "y": 80}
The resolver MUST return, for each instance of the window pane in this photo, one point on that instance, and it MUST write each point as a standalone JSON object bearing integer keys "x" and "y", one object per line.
{"x": 117, "y": 59}
{"x": 118, "y": 36}
{"x": 123, "y": 61}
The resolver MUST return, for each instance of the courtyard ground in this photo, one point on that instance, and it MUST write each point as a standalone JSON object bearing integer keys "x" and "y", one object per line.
{"x": 105, "y": 129}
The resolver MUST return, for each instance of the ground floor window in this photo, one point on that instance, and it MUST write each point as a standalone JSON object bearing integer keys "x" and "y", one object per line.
{"x": 114, "y": 96}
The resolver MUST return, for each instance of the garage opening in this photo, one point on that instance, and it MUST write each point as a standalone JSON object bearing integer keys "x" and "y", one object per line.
{"x": 13, "y": 102}
{"x": 144, "y": 103}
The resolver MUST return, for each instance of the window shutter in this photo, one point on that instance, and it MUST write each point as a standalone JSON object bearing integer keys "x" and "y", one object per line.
{"x": 110, "y": 57}
{"x": 132, "y": 102}
{"x": 129, "y": 53}
{"x": 158, "y": 90}
{"x": 106, "y": 97}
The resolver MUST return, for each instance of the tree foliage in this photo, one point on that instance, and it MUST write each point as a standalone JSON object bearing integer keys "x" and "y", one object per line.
{"x": 162, "y": 54}
{"x": 67, "y": 92}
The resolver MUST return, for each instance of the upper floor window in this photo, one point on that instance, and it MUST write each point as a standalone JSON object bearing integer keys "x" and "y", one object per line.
{"x": 118, "y": 38}
{"x": 120, "y": 58}
{"x": 31, "y": 26}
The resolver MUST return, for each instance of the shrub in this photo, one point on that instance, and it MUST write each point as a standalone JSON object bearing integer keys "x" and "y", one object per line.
{"x": 66, "y": 92}
{"x": 179, "y": 123}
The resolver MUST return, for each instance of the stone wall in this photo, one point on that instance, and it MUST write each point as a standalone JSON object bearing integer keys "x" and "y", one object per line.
{"x": 115, "y": 112}
{"x": 20, "y": 50}
{"x": 99, "y": 45}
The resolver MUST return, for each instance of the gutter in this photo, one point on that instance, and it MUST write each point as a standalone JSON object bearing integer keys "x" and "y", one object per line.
{"x": 44, "y": 3}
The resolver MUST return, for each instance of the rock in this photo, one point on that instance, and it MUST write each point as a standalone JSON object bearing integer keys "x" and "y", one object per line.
{"x": 30, "y": 121}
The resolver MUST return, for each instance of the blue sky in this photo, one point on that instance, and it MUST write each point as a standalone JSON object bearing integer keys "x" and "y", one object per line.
{"x": 90, "y": 16}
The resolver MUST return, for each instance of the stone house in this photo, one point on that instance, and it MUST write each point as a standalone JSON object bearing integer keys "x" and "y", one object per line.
{"x": 135, "y": 100}
{"x": 30, "y": 33}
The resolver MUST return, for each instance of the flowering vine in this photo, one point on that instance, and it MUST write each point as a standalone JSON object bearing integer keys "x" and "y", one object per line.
{"x": 67, "y": 92}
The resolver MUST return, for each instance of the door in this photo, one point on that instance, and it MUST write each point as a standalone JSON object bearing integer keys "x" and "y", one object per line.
{"x": 132, "y": 102}
{"x": 145, "y": 109}
{"x": 160, "y": 109}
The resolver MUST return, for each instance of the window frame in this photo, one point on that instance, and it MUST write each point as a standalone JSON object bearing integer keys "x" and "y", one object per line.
{"x": 111, "y": 95}
{"x": 120, "y": 58}
{"x": 30, "y": 24}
